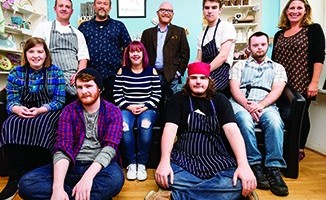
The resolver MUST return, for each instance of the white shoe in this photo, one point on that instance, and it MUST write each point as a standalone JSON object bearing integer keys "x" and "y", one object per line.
{"x": 141, "y": 172}
{"x": 132, "y": 172}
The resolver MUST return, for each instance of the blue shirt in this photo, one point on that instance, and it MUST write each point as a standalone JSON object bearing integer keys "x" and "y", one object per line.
{"x": 105, "y": 41}
{"x": 161, "y": 35}
{"x": 55, "y": 85}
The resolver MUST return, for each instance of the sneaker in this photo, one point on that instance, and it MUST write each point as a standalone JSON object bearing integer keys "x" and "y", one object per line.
{"x": 10, "y": 191}
{"x": 141, "y": 172}
{"x": 159, "y": 195}
{"x": 276, "y": 182}
{"x": 132, "y": 172}
{"x": 262, "y": 182}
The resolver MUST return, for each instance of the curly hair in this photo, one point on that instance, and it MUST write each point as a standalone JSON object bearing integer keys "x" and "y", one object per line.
{"x": 284, "y": 22}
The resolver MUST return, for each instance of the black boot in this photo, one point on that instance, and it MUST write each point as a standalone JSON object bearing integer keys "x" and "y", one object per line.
{"x": 276, "y": 182}
{"x": 10, "y": 190}
{"x": 262, "y": 182}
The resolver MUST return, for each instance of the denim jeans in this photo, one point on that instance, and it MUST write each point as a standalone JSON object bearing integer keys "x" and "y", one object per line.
{"x": 188, "y": 186}
{"x": 37, "y": 184}
{"x": 137, "y": 150}
{"x": 272, "y": 128}
{"x": 173, "y": 86}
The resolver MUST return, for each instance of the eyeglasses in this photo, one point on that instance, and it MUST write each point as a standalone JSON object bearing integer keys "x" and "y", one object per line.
{"x": 163, "y": 10}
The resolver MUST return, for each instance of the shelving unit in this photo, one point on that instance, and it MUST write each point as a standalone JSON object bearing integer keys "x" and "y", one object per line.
{"x": 243, "y": 25}
{"x": 32, "y": 12}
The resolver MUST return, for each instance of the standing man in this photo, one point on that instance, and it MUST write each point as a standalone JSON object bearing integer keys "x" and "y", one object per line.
{"x": 67, "y": 45}
{"x": 216, "y": 44}
{"x": 256, "y": 84}
{"x": 195, "y": 163}
{"x": 167, "y": 48}
{"x": 106, "y": 39}
{"x": 84, "y": 164}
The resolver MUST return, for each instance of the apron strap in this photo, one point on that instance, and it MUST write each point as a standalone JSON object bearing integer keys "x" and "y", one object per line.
{"x": 202, "y": 42}
{"x": 192, "y": 107}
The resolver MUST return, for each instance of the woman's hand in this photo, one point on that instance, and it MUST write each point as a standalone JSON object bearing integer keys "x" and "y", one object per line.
{"x": 137, "y": 109}
{"x": 312, "y": 89}
{"x": 22, "y": 111}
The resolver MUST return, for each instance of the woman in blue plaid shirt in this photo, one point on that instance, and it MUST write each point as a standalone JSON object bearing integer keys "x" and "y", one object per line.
{"x": 35, "y": 96}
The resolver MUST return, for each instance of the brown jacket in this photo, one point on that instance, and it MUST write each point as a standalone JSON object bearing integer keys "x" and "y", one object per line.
{"x": 176, "y": 51}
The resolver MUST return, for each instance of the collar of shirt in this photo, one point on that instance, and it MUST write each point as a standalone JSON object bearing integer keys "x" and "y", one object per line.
{"x": 266, "y": 60}
{"x": 102, "y": 23}
{"x": 159, "y": 29}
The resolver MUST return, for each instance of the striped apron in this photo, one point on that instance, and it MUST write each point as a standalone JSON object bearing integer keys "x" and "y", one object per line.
{"x": 209, "y": 53}
{"x": 37, "y": 131}
{"x": 200, "y": 149}
{"x": 64, "y": 49}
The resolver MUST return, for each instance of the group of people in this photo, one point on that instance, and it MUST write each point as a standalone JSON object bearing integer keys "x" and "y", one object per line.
{"x": 79, "y": 93}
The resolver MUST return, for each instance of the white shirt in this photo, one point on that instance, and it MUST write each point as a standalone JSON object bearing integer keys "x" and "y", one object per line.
{"x": 43, "y": 30}
{"x": 225, "y": 31}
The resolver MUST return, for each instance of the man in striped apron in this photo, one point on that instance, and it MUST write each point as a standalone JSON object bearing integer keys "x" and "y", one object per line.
{"x": 255, "y": 86}
{"x": 67, "y": 45}
{"x": 195, "y": 161}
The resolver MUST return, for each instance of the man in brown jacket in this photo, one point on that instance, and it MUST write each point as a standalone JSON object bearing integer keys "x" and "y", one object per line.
{"x": 168, "y": 49}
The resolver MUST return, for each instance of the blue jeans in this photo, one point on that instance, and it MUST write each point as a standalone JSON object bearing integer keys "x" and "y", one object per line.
{"x": 272, "y": 128}
{"x": 188, "y": 186}
{"x": 37, "y": 184}
{"x": 137, "y": 151}
{"x": 174, "y": 85}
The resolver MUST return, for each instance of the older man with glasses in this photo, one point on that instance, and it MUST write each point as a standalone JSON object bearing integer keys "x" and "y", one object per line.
{"x": 167, "y": 48}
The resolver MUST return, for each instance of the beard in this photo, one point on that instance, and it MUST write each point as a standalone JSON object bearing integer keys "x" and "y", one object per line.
{"x": 89, "y": 99}
{"x": 101, "y": 14}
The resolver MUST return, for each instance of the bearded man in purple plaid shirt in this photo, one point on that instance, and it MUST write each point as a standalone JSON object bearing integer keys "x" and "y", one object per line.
{"x": 84, "y": 164}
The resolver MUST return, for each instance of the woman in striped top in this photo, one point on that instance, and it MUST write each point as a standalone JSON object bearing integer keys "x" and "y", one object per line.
{"x": 137, "y": 92}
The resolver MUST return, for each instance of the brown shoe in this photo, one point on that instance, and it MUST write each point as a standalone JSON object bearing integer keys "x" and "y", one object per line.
{"x": 159, "y": 195}
{"x": 252, "y": 196}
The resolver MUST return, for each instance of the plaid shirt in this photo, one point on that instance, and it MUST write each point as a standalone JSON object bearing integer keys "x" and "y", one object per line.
{"x": 55, "y": 85}
{"x": 72, "y": 129}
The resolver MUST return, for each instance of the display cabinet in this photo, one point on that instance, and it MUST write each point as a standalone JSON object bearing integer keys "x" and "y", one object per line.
{"x": 20, "y": 19}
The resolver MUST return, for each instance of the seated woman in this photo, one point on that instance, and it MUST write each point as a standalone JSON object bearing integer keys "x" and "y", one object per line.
{"x": 35, "y": 95}
{"x": 137, "y": 92}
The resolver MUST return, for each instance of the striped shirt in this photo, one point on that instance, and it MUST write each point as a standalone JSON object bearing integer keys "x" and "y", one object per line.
{"x": 249, "y": 72}
{"x": 141, "y": 89}
{"x": 55, "y": 85}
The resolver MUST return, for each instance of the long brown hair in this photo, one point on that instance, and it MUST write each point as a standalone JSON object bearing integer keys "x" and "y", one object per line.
{"x": 284, "y": 22}
{"x": 209, "y": 93}
{"x": 32, "y": 42}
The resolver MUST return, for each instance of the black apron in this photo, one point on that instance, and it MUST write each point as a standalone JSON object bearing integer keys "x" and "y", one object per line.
{"x": 209, "y": 53}
{"x": 38, "y": 131}
{"x": 200, "y": 149}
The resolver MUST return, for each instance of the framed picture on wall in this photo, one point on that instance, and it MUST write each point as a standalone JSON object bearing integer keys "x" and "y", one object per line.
{"x": 131, "y": 8}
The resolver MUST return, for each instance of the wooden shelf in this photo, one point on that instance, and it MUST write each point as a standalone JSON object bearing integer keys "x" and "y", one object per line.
{"x": 237, "y": 8}
{"x": 245, "y": 25}
{"x": 4, "y": 72}
{"x": 18, "y": 31}
{"x": 11, "y": 50}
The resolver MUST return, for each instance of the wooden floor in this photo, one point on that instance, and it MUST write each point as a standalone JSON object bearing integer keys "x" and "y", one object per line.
{"x": 311, "y": 184}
